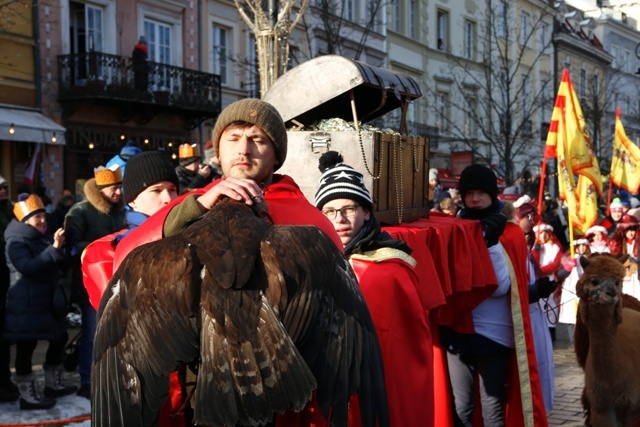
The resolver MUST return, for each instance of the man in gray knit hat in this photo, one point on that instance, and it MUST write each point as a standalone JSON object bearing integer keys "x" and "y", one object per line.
{"x": 250, "y": 142}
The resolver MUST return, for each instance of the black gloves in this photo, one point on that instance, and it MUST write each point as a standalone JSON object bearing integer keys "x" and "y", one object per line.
{"x": 545, "y": 287}
{"x": 493, "y": 226}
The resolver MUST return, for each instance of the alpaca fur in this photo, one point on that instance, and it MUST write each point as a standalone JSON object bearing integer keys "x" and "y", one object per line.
{"x": 611, "y": 335}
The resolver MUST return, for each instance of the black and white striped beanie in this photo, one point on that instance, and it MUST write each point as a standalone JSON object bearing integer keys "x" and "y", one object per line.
{"x": 340, "y": 181}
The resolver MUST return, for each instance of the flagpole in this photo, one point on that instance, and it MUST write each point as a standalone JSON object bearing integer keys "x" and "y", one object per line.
{"x": 609, "y": 192}
{"x": 543, "y": 174}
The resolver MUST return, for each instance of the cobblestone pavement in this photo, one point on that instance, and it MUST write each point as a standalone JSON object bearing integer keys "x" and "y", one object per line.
{"x": 567, "y": 409}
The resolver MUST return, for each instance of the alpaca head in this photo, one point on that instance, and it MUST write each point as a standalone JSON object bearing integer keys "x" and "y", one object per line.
{"x": 601, "y": 282}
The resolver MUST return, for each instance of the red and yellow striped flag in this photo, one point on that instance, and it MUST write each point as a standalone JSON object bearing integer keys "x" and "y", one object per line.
{"x": 625, "y": 163}
{"x": 568, "y": 143}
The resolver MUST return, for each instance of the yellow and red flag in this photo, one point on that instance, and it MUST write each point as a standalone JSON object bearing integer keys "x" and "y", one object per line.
{"x": 569, "y": 144}
{"x": 625, "y": 163}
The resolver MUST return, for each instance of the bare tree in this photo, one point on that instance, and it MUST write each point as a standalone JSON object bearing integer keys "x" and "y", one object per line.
{"x": 499, "y": 96}
{"x": 271, "y": 23}
{"x": 340, "y": 34}
{"x": 597, "y": 103}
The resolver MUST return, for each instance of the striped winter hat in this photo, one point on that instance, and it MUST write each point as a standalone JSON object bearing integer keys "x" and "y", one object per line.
{"x": 340, "y": 181}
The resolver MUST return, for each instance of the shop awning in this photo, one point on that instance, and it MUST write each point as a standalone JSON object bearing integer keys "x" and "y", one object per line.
{"x": 29, "y": 126}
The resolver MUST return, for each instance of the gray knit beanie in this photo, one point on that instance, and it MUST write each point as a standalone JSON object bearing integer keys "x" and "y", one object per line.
{"x": 255, "y": 112}
{"x": 146, "y": 169}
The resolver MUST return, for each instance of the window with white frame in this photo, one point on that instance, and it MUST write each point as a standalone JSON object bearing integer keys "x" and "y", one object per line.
{"x": 470, "y": 125}
{"x": 502, "y": 19}
{"x": 94, "y": 24}
{"x": 469, "y": 39}
{"x": 542, "y": 36}
{"x": 220, "y": 51}
{"x": 525, "y": 28}
{"x": 614, "y": 53}
{"x": 413, "y": 16}
{"x": 626, "y": 61}
{"x": 396, "y": 16}
{"x": 158, "y": 37}
{"x": 442, "y": 29}
{"x": 442, "y": 111}
{"x": 253, "y": 70}
{"x": 349, "y": 10}
{"x": 583, "y": 84}
{"x": 524, "y": 97}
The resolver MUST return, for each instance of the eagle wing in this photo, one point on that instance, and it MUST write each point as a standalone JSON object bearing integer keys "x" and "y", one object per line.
{"x": 147, "y": 325}
{"x": 315, "y": 292}
{"x": 250, "y": 368}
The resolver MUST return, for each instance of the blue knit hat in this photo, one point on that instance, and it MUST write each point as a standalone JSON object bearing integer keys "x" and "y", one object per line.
{"x": 130, "y": 150}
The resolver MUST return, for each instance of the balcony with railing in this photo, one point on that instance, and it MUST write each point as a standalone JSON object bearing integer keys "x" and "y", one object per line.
{"x": 141, "y": 89}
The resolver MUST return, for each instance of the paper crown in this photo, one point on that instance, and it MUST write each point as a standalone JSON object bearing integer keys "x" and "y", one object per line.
{"x": 27, "y": 207}
{"x": 107, "y": 176}
{"x": 188, "y": 150}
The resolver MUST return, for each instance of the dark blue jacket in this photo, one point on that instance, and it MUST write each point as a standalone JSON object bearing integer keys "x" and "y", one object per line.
{"x": 34, "y": 266}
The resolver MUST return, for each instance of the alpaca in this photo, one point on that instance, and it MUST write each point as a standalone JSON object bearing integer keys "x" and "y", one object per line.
{"x": 611, "y": 372}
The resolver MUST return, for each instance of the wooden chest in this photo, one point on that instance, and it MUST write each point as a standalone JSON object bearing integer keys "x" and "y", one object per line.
{"x": 395, "y": 169}
{"x": 395, "y": 165}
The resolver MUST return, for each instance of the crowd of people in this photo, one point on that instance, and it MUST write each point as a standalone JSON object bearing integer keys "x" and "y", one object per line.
{"x": 85, "y": 240}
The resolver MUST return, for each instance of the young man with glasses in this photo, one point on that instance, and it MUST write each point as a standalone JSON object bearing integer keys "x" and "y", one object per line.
{"x": 387, "y": 278}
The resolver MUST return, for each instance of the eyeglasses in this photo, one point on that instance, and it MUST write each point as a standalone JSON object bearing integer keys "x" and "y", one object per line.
{"x": 346, "y": 211}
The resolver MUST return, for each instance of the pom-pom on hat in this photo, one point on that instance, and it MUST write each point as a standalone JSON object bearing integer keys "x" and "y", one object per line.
{"x": 258, "y": 113}
{"x": 106, "y": 177}
{"x": 28, "y": 207}
{"x": 340, "y": 181}
{"x": 595, "y": 229}
{"x": 145, "y": 170}
{"x": 478, "y": 177}
{"x": 542, "y": 227}
{"x": 130, "y": 150}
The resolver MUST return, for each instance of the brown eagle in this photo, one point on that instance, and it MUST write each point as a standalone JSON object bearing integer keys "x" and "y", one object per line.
{"x": 268, "y": 313}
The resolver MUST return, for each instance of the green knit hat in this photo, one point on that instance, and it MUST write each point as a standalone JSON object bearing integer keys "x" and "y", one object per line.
{"x": 258, "y": 113}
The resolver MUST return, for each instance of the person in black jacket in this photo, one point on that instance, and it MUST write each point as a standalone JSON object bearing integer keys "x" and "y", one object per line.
{"x": 140, "y": 65}
{"x": 34, "y": 257}
{"x": 8, "y": 390}
{"x": 191, "y": 173}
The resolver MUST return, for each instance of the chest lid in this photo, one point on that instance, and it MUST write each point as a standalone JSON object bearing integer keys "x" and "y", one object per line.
{"x": 334, "y": 86}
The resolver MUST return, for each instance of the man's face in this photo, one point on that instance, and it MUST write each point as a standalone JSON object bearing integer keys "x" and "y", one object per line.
{"x": 477, "y": 199}
{"x": 193, "y": 166}
{"x": 154, "y": 197}
{"x": 347, "y": 217}
{"x": 4, "y": 191}
{"x": 246, "y": 151}
{"x": 112, "y": 193}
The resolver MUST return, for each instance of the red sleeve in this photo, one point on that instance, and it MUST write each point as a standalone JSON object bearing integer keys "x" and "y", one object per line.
{"x": 97, "y": 267}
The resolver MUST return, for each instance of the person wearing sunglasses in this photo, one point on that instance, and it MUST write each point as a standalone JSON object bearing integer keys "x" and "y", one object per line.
{"x": 386, "y": 273}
